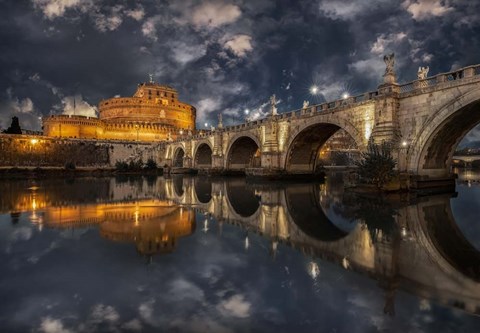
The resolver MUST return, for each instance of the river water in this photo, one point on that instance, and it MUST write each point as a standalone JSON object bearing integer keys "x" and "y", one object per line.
{"x": 193, "y": 254}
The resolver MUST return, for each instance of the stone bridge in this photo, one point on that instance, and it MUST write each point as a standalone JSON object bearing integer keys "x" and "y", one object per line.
{"x": 423, "y": 120}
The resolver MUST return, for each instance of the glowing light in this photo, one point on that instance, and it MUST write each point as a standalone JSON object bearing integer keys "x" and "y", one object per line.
{"x": 313, "y": 270}
{"x": 247, "y": 243}
{"x": 181, "y": 132}
{"x": 345, "y": 95}
{"x": 404, "y": 143}
{"x": 404, "y": 232}
{"x": 34, "y": 141}
{"x": 247, "y": 111}
{"x": 313, "y": 90}
{"x": 206, "y": 124}
{"x": 368, "y": 131}
{"x": 205, "y": 226}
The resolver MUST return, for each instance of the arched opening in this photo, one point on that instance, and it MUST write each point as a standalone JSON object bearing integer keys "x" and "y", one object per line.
{"x": 203, "y": 189}
{"x": 306, "y": 154}
{"x": 244, "y": 153}
{"x": 178, "y": 158}
{"x": 242, "y": 198}
{"x": 303, "y": 203}
{"x": 437, "y": 151}
{"x": 203, "y": 156}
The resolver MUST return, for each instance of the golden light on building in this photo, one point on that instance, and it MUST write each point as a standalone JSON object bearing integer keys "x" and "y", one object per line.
{"x": 153, "y": 113}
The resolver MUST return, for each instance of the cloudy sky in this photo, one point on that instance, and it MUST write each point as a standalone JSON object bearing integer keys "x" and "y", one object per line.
{"x": 222, "y": 56}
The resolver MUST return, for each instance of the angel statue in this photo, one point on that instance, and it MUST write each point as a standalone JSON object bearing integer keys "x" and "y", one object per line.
{"x": 390, "y": 62}
{"x": 422, "y": 72}
{"x": 305, "y": 104}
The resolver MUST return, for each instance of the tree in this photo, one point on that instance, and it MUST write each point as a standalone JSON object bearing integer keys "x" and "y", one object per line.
{"x": 14, "y": 127}
{"x": 151, "y": 164}
{"x": 376, "y": 165}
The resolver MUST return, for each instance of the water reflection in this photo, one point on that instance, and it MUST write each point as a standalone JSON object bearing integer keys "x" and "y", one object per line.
{"x": 411, "y": 245}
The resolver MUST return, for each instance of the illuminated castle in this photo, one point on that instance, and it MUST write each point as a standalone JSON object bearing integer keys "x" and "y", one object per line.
{"x": 154, "y": 113}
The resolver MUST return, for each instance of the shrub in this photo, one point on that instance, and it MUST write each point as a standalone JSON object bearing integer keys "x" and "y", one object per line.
{"x": 151, "y": 164}
{"x": 70, "y": 166}
{"x": 376, "y": 165}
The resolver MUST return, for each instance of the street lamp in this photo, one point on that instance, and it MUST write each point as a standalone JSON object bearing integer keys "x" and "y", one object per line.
{"x": 313, "y": 90}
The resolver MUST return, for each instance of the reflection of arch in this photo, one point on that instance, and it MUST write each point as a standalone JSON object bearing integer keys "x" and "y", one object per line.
{"x": 178, "y": 185}
{"x": 243, "y": 152}
{"x": 440, "y": 231}
{"x": 203, "y": 189}
{"x": 203, "y": 155}
{"x": 178, "y": 156}
{"x": 433, "y": 148}
{"x": 303, "y": 204}
{"x": 305, "y": 143}
{"x": 242, "y": 199}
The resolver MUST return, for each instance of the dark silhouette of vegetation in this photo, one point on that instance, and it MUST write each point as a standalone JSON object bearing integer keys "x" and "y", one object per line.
{"x": 135, "y": 166}
{"x": 376, "y": 165}
{"x": 14, "y": 127}
{"x": 70, "y": 166}
{"x": 151, "y": 164}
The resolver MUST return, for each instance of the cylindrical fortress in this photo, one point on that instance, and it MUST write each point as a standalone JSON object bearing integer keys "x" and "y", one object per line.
{"x": 154, "y": 113}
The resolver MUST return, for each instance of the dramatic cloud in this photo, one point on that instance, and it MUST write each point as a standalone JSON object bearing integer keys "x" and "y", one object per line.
{"x": 424, "y": 9}
{"x": 384, "y": 42}
{"x": 235, "y": 306}
{"x": 54, "y": 8}
{"x": 22, "y": 108}
{"x": 75, "y": 105}
{"x": 49, "y": 325}
{"x": 346, "y": 9}
{"x": 214, "y": 14}
{"x": 110, "y": 21}
{"x": 137, "y": 13}
{"x": 239, "y": 45}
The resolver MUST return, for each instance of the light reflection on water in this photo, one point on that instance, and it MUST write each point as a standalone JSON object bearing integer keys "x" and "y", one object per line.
{"x": 199, "y": 254}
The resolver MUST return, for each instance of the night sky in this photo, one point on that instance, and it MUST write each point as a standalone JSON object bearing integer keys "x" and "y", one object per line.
{"x": 222, "y": 56}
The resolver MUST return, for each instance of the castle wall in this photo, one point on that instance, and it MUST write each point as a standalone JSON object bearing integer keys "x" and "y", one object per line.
{"x": 28, "y": 150}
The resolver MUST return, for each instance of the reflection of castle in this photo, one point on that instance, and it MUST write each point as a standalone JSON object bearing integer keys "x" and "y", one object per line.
{"x": 153, "y": 225}
{"x": 153, "y": 113}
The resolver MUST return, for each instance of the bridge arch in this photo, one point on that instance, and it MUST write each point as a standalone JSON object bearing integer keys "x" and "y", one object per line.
{"x": 305, "y": 142}
{"x": 431, "y": 151}
{"x": 203, "y": 155}
{"x": 243, "y": 152}
{"x": 178, "y": 156}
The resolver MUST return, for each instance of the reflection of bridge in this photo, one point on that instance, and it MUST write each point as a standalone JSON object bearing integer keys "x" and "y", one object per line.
{"x": 423, "y": 252}
{"x": 424, "y": 120}
{"x": 426, "y": 254}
